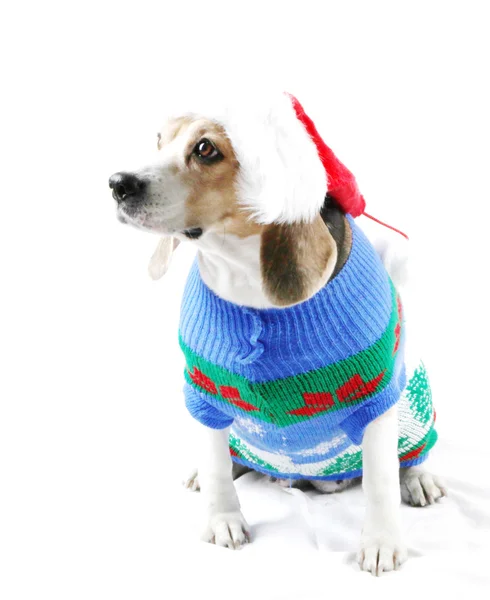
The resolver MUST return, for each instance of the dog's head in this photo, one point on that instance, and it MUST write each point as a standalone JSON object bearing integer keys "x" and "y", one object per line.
{"x": 253, "y": 167}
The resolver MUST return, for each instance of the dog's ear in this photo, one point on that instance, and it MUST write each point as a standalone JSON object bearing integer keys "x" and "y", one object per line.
{"x": 160, "y": 261}
{"x": 296, "y": 260}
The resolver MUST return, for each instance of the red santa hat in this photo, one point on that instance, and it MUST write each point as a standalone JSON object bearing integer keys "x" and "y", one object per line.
{"x": 286, "y": 169}
{"x": 341, "y": 186}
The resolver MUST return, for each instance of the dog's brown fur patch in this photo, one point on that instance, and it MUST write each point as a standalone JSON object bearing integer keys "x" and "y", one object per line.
{"x": 296, "y": 260}
{"x": 240, "y": 224}
{"x": 172, "y": 129}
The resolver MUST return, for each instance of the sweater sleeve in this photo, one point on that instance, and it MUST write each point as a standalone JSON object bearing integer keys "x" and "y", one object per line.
{"x": 203, "y": 412}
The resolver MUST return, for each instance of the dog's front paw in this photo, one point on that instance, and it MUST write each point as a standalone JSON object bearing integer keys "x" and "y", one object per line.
{"x": 381, "y": 553}
{"x": 229, "y": 530}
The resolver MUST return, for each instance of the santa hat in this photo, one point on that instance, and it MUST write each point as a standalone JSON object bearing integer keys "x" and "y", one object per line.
{"x": 341, "y": 186}
{"x": 286, "y": 169}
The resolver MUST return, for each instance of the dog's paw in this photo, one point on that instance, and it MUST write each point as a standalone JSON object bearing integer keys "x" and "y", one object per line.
{"x": 192, "y": 482}
{"x": 381, "y": 553}
{"x": 420, "y": 488}
{"x": 229, "y": 530}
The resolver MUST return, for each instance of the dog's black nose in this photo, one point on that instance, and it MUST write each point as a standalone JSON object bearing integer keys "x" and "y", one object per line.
{"x": 125, "y": 185}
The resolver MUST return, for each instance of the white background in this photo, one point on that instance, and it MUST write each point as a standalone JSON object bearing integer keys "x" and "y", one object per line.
{"x": 94, "y": 438}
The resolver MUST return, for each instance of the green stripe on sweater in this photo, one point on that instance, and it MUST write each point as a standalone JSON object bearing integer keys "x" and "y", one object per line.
{"x": 297, "y": 398}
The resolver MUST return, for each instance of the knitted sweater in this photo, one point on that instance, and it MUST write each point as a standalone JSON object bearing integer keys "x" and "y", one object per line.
{"x": 299, "y": 385}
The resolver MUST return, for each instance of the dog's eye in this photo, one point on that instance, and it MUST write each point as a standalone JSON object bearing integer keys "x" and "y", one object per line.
{"x": 205, "y": 150}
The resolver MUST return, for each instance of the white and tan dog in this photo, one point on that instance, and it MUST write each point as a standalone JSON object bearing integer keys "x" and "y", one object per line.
{"x": 238, "y": 183}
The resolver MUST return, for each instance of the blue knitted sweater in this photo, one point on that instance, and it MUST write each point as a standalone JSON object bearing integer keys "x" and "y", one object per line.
{"x": 299, "y": 385}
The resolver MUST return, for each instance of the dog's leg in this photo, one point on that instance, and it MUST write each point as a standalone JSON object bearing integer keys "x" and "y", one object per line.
{"x": 382, "y": 548}
{"x": 420, "y": 488}
{"x": 225, "y": 523}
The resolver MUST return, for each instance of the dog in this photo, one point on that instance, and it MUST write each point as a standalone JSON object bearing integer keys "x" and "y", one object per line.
{"x": 281, "y": 267}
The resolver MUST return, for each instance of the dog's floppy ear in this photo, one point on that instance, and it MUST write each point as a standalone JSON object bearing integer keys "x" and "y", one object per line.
{"x": 296, "y": 260}
{"x": 160, "y": 261}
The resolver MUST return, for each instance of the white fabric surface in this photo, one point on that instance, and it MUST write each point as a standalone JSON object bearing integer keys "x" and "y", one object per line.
{"x": 305, "y": 543}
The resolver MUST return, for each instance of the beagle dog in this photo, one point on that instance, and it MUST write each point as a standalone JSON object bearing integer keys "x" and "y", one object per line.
{"x": 245, "y": 186}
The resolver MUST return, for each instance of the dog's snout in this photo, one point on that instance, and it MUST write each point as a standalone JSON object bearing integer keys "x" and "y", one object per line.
{"x": 125, "y": 185}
